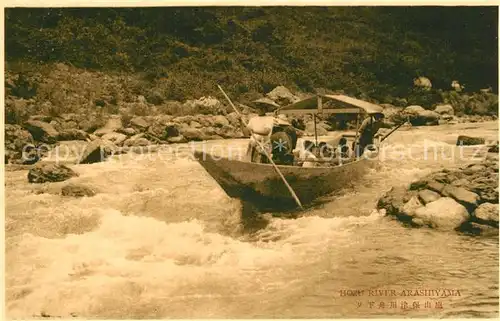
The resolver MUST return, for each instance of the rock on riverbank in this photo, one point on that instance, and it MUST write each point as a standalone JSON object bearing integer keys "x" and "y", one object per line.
{"x": 464, "y": 199}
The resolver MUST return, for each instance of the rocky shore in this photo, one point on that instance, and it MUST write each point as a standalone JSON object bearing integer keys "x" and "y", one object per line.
{"x": 464, "y": 199}
{"x": 122, "y": 132}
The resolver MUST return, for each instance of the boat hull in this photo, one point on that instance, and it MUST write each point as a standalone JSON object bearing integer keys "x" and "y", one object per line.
{"x": 262, "y": 186}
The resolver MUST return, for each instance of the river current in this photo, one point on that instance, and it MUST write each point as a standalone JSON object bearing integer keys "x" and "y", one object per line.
{"x": 162, "y": 240}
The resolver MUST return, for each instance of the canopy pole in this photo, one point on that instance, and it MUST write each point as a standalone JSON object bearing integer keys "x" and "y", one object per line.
{"x": 356, "y": 143}
{"x": 315, "y": 132}
{"x": 290, "y": 189}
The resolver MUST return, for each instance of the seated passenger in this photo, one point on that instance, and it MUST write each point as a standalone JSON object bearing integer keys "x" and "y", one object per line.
{"x": 343, "y": 149}
{"x": 282, "y": 144}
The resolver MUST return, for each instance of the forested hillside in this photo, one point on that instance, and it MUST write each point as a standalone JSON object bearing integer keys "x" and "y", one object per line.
{"x": 372, "y": 51}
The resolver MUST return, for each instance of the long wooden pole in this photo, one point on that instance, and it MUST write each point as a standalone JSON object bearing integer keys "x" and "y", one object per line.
{"x": 392, "y": 131}
{"x": 266, "y": 153}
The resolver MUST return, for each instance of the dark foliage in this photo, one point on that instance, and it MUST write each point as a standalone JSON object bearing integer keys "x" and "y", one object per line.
{"x": 374, "y": 51}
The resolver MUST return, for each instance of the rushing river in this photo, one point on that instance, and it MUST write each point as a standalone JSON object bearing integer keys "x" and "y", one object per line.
{"x": 162, "y": 240}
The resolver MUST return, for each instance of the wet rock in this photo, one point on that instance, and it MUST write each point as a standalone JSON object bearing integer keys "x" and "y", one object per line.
{"x": 486, "y": 188}
{"x": 479, "y": 229}
{"x": 463, "y": 140}
{"x": 474, "y": 169}
{"x": 42, "y": 131}
{"x": 43, "y": 173}
{"x": 410, "y": 207}
{"x": 72, "y": 134}
{"x": 97, "y": 151}
{"x": 487, "y": 213}
{"x": 443, "y": 214}
{"x": 394, "y": 200}
{"x": 461, "y": 182}
{"x": 466, "y": 198}
{"x": 77, "y": 190}
{"x": 428, "y": 196}
{"x": 115, "y": 138}
{"x": 435, "y": 186}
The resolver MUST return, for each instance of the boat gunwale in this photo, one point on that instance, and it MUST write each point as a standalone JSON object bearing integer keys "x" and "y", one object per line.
{"x": 280, "y": 166}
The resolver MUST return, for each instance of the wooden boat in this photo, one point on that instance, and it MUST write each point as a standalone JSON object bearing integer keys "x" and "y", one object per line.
{"x": 261, "y": 185}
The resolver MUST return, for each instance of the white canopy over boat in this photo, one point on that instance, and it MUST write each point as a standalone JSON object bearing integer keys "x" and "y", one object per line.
{"x": 331, "y": 104}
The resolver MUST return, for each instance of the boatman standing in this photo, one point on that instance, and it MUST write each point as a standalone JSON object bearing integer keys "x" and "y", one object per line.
{"x": 367, "y": 132}
{"x": 275, "y": 134}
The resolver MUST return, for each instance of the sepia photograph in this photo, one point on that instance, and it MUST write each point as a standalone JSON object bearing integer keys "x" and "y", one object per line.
{"x": 251, "y": 162}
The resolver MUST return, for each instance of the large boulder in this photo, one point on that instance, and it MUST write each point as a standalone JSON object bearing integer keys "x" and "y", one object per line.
{"x": 16, "y": 140}
{"x": 43, "y": 173}
{"x": 194, "y": 134}
{"x": 443, "y": 214}
{"x": 463, "y": 140}
{"x": 466, "y": 198}
{"x": 392, "y": 113}
{"x": 444, "y": 109}
{"x": 72, "y": 134}
{"x": 428, "y": 196}
{"x": 77, "y": 190}
{"x": 97, "y": 151}
{"x": 487, "y": 213}
{"x": 418, "y": 116}
{"x": 282, "y": 95}
{"x": 394, "y": 200}
{"x": 139, "y": 123}
{"x": 113, "y": 124}
{"x": 137, "y": 140}
{"x": 42, "y": 131}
